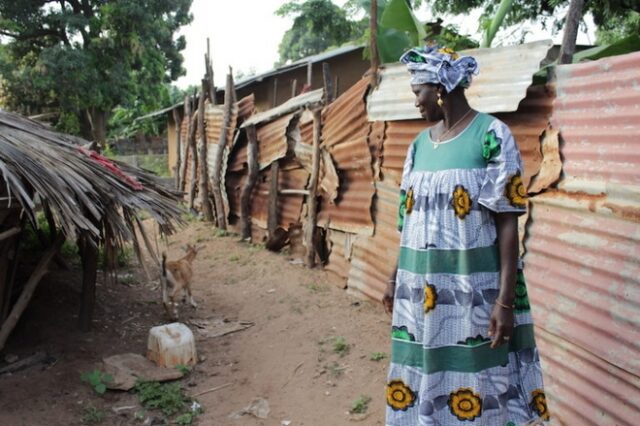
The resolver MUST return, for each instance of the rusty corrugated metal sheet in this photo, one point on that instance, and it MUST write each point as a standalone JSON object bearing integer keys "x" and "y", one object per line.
{"x": 398, "y": 137}
{"x": 234, "y": 181}
{"x": 374, "y": 140}
{"x": 583, "y": 247}
{"x": 291, "y": 106}
{"x": 272, "y": 140}
{"x": 246, "y": 107}
{"x": 505, "y": 74}
{"x": 374, "y": 257}
{"x": 260, "y": 201}
{"x": 291, "y": 176}
{"x": 344, "y": 134}
{"x": 340, "y": 244}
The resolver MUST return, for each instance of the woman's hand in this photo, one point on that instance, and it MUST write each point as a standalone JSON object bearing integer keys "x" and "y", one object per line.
{"x": 387, "y": 298}
{"x": 500, "y": 325}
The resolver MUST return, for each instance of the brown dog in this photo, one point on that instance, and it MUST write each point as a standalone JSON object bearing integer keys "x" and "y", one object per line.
{"x": 176, "y": 276}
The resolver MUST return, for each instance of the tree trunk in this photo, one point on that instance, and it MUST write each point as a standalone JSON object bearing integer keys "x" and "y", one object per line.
{"x": 178, "y": 123}
{"x": 98, "y": 123}
{"x": 202, "y": 154}
{"x": 373, "y": 43}
{"x": 574, "y": 15}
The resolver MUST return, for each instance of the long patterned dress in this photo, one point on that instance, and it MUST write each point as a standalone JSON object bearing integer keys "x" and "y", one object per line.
{"x": 442, "y": 370}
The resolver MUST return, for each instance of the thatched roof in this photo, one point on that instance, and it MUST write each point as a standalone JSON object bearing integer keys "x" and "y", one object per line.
{"x": 84, "y": 191}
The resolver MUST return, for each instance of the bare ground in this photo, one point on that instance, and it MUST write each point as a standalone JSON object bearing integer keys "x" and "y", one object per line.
{"x": 288, "y": 357}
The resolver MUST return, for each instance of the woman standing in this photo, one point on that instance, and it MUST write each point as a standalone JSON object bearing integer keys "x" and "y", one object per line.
{"x": 463, "y": 350}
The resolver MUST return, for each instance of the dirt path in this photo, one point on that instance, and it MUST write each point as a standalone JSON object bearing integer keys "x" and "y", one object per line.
{"x": 308, "y": 352}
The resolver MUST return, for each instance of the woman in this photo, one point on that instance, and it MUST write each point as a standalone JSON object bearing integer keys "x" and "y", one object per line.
{"x": 463, "y": 350}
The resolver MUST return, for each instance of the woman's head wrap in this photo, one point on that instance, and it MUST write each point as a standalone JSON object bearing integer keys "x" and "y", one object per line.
{"x": 439, "y": 65}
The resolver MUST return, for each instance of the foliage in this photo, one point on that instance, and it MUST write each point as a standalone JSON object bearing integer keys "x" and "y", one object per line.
{"x": 619, "y": 27}
{"x": 377, "y": 356}
{"x": 168, "y": 398}
{"x": 184, "y": 369}
{"x": 97, "y": 380}
{"x": 30, "y": 241}
{"x": 93, "y": 415}
{"x": 360, "y": 405}
{"x": 84, "y": 58}
{"x": 340, "y": 346}
{"x": 317, "y": 26}
{"x": 607, "y": 14}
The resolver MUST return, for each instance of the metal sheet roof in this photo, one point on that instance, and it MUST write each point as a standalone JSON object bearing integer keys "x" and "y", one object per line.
{"x": 294, "y": 104}
{"x": 583, "y": 247}
{"x": 505, "y": 74}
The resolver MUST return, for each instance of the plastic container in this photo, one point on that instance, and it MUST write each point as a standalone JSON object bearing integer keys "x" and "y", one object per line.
{"x": 171, "y": 344}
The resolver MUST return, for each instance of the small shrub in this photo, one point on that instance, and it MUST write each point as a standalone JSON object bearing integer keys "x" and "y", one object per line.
{"x": 184, "y": 369}
{"x": 360, "y": 405}
{"x": 166, "y": 397}
{"x": 93, "y": 415}
{"x": 340, "y": 346}
{"x": 377, "y": 356}
{"x": 97, "y": 380}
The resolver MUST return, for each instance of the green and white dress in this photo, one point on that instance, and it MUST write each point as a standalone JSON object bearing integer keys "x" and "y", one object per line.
{"x": 442, "y": 370}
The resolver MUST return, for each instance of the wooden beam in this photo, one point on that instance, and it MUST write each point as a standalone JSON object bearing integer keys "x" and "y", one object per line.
{"x": 312, "y": 200}
{"x": 574, "y": 15}
{"x": 203, "y": 182}
{"x": 274, "y": 101}
{"x": 272, "y": 221}
{"x": 194, "y": 167}
{"x": 328, "y": 84}
{"x": 309, "y": 74}
{"x": 209, "y": 69}
{"x": 29, "y": 289}
{"x": 294, "y": 87}
{"x": 89, "y": 255}
{"x": 9, "y": 233}
{"x": 293, "y": 192}
{"x": 252, "y": 177}
{"x": 373, "y": 43}
{"x": 216, "y": 178}
{"x": 176, "y": 170}
{"x": 185, "y": 149}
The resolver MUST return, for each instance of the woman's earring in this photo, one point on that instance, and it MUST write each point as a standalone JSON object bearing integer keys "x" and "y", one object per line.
{"x": 440, "y": 102}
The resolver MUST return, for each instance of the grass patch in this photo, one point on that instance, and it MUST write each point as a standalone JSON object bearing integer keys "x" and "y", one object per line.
{"x": 234, "y": 258}
{"x": 97, "y": 380}
{"x": 184, "y": 369}
{"x": 377, "y": 356}
{"x": 220, "y": 233}
{"x": 316, "y": 288}
{"x": 336, "y": 370}
{"x": 360, "y": 405}
{"x": 93, "y": 415}
{"x": 170, "y": 399}
{"x": 340, "y": 346}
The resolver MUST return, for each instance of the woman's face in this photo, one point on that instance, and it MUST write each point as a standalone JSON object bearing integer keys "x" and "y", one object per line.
{"x": 426, "y": 101}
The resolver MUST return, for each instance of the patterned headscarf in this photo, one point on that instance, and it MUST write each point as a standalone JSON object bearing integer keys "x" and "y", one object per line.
{"x": 432, "y": 64}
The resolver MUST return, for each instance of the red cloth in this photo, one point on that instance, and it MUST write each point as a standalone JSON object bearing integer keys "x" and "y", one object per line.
{"x": 109, "y": 165}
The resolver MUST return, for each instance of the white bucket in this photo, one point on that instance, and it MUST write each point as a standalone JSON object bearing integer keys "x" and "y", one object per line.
{"x": 171, "y": 344}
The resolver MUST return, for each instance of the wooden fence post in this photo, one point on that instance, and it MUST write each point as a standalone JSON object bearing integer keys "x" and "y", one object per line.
{"x": 312, "y": 218}
{"x": 194, "y": 166}
{"x": 252, "y": 177}
{"x": 185, "y": 150}
{"x": 203, "y": 187}
{"x": 176, "y": 169}
{"x": 273, "y": 198}
{"x": 328, "y": 84}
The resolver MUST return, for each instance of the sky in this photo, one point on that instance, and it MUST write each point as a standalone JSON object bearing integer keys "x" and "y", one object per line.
{"x": 245, "y": 34}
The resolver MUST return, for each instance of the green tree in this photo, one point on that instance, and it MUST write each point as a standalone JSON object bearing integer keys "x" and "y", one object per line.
{"x": 84, "y": 58}
{"x": 317, "y": 26}
{"x": 607, "y": 14}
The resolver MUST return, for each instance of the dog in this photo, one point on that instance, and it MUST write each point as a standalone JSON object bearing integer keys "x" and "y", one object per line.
{"x": 176, "y": 276}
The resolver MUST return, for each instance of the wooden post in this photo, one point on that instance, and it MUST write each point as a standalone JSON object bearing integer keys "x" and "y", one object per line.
{"x": 309, "y": 74}
{"x": 27, "y": 292}
{"x": 203, "y": 187}
{"x": 216, "y": 178}
{"x": 294, "y": 87}
{"x": 194, "y": 167}
{"x": 373, "y": 43}
{"x": 568, "y": 48}
{"x": 252, "y": 177}
{"x": 184, "y": 150}
{"x": 272, "y": 222}
{"x": 328, "y": 84}
{"x": 312, "y": 212}
{"x": 209, "y": 68}
{"x": 176, "y": 170}
{"x": 274, "y": 101}
{"x": 89, "y": 255}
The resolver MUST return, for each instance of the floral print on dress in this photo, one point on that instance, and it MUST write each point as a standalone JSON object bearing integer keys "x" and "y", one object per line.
{"x": 465, "y": 404}
{"x": 461, "y": 201}
{"x": 474, "y": 341}
{"x": 402, "y": 333}
{"x": 430, "y": 297}
{"x": 522, "y": 298}
{"x": 516, "y": 192}
{"x": 491, "y": 145}
{"x": 539, "y": 404}
{"x": 399, "y": 396}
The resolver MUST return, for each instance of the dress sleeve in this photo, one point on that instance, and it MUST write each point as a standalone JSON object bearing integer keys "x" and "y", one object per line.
{"x": 502, "y": 190}
{"x": 404, "y": 186}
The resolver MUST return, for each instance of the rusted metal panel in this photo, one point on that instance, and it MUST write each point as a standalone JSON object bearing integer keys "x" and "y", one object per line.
{"x": 234, "y": 181}
{"x": 272, "y": 140}
{"x": 260, "y": 200}
{"x": 399, "y": 136}
{"x": 583, "y": 246}
{"x": 374, "y": 140}
{"x": 294, "y": 104}
{"x": 238, "y": 156}
{"x": 374, "y": 257}
{"x": 246, "y": 107}
{"x": 351, "y": 211}
{"x": 344, "y": 135}
{"x": 291, "y": 176}
{"x": 340, "y": 244}
{"x": 505, "y": 74}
